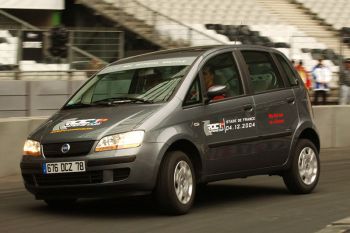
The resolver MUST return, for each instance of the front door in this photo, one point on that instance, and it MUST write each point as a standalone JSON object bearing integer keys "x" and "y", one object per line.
{"x": 228, "y": 122}
{"x": 230, "y": 130}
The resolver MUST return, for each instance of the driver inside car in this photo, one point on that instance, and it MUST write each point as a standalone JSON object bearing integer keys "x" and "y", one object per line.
{"x": 208, "y": 75}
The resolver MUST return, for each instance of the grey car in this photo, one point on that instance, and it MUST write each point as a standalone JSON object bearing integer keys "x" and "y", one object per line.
{"x": 167, "y": 122}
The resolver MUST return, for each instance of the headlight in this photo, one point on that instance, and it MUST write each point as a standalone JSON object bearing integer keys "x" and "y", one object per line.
{"x": 120, "y": 141}
{"x": 31, "y": 148}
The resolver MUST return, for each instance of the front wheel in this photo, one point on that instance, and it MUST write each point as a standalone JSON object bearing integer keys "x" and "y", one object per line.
{"x": 176, "y": 183}
{"x": 304, "y": 172}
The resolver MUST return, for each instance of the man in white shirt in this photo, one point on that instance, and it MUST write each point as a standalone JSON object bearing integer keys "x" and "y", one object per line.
{"x": 322, "y": 77}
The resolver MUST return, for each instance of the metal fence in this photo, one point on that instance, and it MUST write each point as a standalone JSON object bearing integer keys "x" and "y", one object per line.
{"x": 87, "y": 50}
{"x": 106, "y": 45}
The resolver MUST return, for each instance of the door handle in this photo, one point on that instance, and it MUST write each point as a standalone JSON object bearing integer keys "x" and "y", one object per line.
{"x": 247, "y": 107}
{"x": 290, "y": 100}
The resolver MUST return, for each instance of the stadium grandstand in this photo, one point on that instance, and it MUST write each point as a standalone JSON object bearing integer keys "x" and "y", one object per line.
{"x": 296, "y": 28}
{"x": 302, "y": 29}
{"x": 101, "y": 31}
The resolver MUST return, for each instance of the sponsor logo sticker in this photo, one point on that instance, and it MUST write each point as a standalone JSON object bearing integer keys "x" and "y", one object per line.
{"x": 227, "y": 125}
{"x": 75, "y": 124}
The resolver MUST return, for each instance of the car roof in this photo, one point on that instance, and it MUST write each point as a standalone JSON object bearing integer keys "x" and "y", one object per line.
{"x": 184, "y": 52}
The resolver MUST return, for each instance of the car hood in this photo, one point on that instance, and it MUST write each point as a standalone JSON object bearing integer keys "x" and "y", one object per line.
{"x": 92, "y": 123}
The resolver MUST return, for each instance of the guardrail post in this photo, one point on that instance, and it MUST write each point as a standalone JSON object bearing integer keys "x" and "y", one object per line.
{"x": 154, "y": 18}
{"x": 291, "y": 48}
{"x": 70, "y": 44}
{"x": 121, "y": 45}
{"x": 19, "y": 53}
{"x": 28, "y": 98}
{"x": 341, "y": 51}
{"x": 189, "y": 35}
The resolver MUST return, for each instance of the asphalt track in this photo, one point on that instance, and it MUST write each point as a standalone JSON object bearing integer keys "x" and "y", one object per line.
{"x": 257, "y": 204}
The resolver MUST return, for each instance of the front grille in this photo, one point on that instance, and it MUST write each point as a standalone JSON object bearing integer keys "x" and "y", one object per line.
{"x": 93, "y": 177}
{"x": 53, "y": 150}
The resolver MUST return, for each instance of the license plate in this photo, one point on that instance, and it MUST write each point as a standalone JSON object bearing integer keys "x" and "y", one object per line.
{"x": 64, "y": 167}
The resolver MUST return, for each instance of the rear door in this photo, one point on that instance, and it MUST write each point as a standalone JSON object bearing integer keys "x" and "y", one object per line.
{"x": 276, "y": 111}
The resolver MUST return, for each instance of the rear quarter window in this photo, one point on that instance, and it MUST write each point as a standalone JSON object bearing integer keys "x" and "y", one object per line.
{"x": 287, "y": 70}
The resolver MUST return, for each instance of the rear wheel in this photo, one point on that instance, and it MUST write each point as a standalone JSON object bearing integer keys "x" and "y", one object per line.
{"x": 303, "y": 174}
{"x": 176, "y": 183}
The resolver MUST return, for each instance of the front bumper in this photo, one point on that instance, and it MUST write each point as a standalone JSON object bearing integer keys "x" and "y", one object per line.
{"x": 108, "y": 174}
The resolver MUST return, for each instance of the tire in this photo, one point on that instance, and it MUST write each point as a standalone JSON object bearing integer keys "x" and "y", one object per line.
{"x": 60, "y": 203}
{"x": 304, "y": 172}
{"x": 176, "y": 174}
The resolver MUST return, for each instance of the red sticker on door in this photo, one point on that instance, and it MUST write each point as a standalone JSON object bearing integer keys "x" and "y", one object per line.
{"x": 276, "y": 118}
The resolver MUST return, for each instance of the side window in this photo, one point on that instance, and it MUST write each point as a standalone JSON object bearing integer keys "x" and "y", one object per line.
{"x": 222, "y": 70}
{"x": 292, "y": 78}
{"x": 262, "y": 71}
{"x": 194, "y": 95}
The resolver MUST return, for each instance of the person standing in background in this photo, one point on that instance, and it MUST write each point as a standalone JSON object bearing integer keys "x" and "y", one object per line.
{"x": 322, "y": 77}
{"x": 293, "y": 62}
{"x": 304, "y": 74}
{"x": 344, "y": 82}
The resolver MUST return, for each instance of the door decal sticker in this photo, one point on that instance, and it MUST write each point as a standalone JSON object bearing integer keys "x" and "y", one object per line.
{"x": 276, "y": 118}
{"x": 224, "y": 126}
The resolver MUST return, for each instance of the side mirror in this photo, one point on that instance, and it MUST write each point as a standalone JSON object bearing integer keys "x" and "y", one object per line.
{"x": 216, "y": 90}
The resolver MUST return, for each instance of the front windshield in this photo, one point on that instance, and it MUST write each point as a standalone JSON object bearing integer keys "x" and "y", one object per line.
{"x": 139, "y": 82}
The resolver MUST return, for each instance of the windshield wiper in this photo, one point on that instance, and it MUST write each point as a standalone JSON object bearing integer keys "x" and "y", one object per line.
{"x": 116, "y": 100}
{"x": 77, "y": 105}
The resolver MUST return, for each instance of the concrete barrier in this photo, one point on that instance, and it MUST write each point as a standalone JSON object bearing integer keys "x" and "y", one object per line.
{"x": 20, "y": 98}
{"x": 333, "y": 123}
{"x": 13, "y": 133}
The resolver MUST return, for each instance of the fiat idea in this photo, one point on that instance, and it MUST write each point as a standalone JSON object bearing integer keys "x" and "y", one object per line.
{"x": 166, "y": 122}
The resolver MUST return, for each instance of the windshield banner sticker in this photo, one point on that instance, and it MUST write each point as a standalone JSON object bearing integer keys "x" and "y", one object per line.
{"x": 74, "y": 124}
{"x": 183, "y": 61}
{"x": 225, "y": 126}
